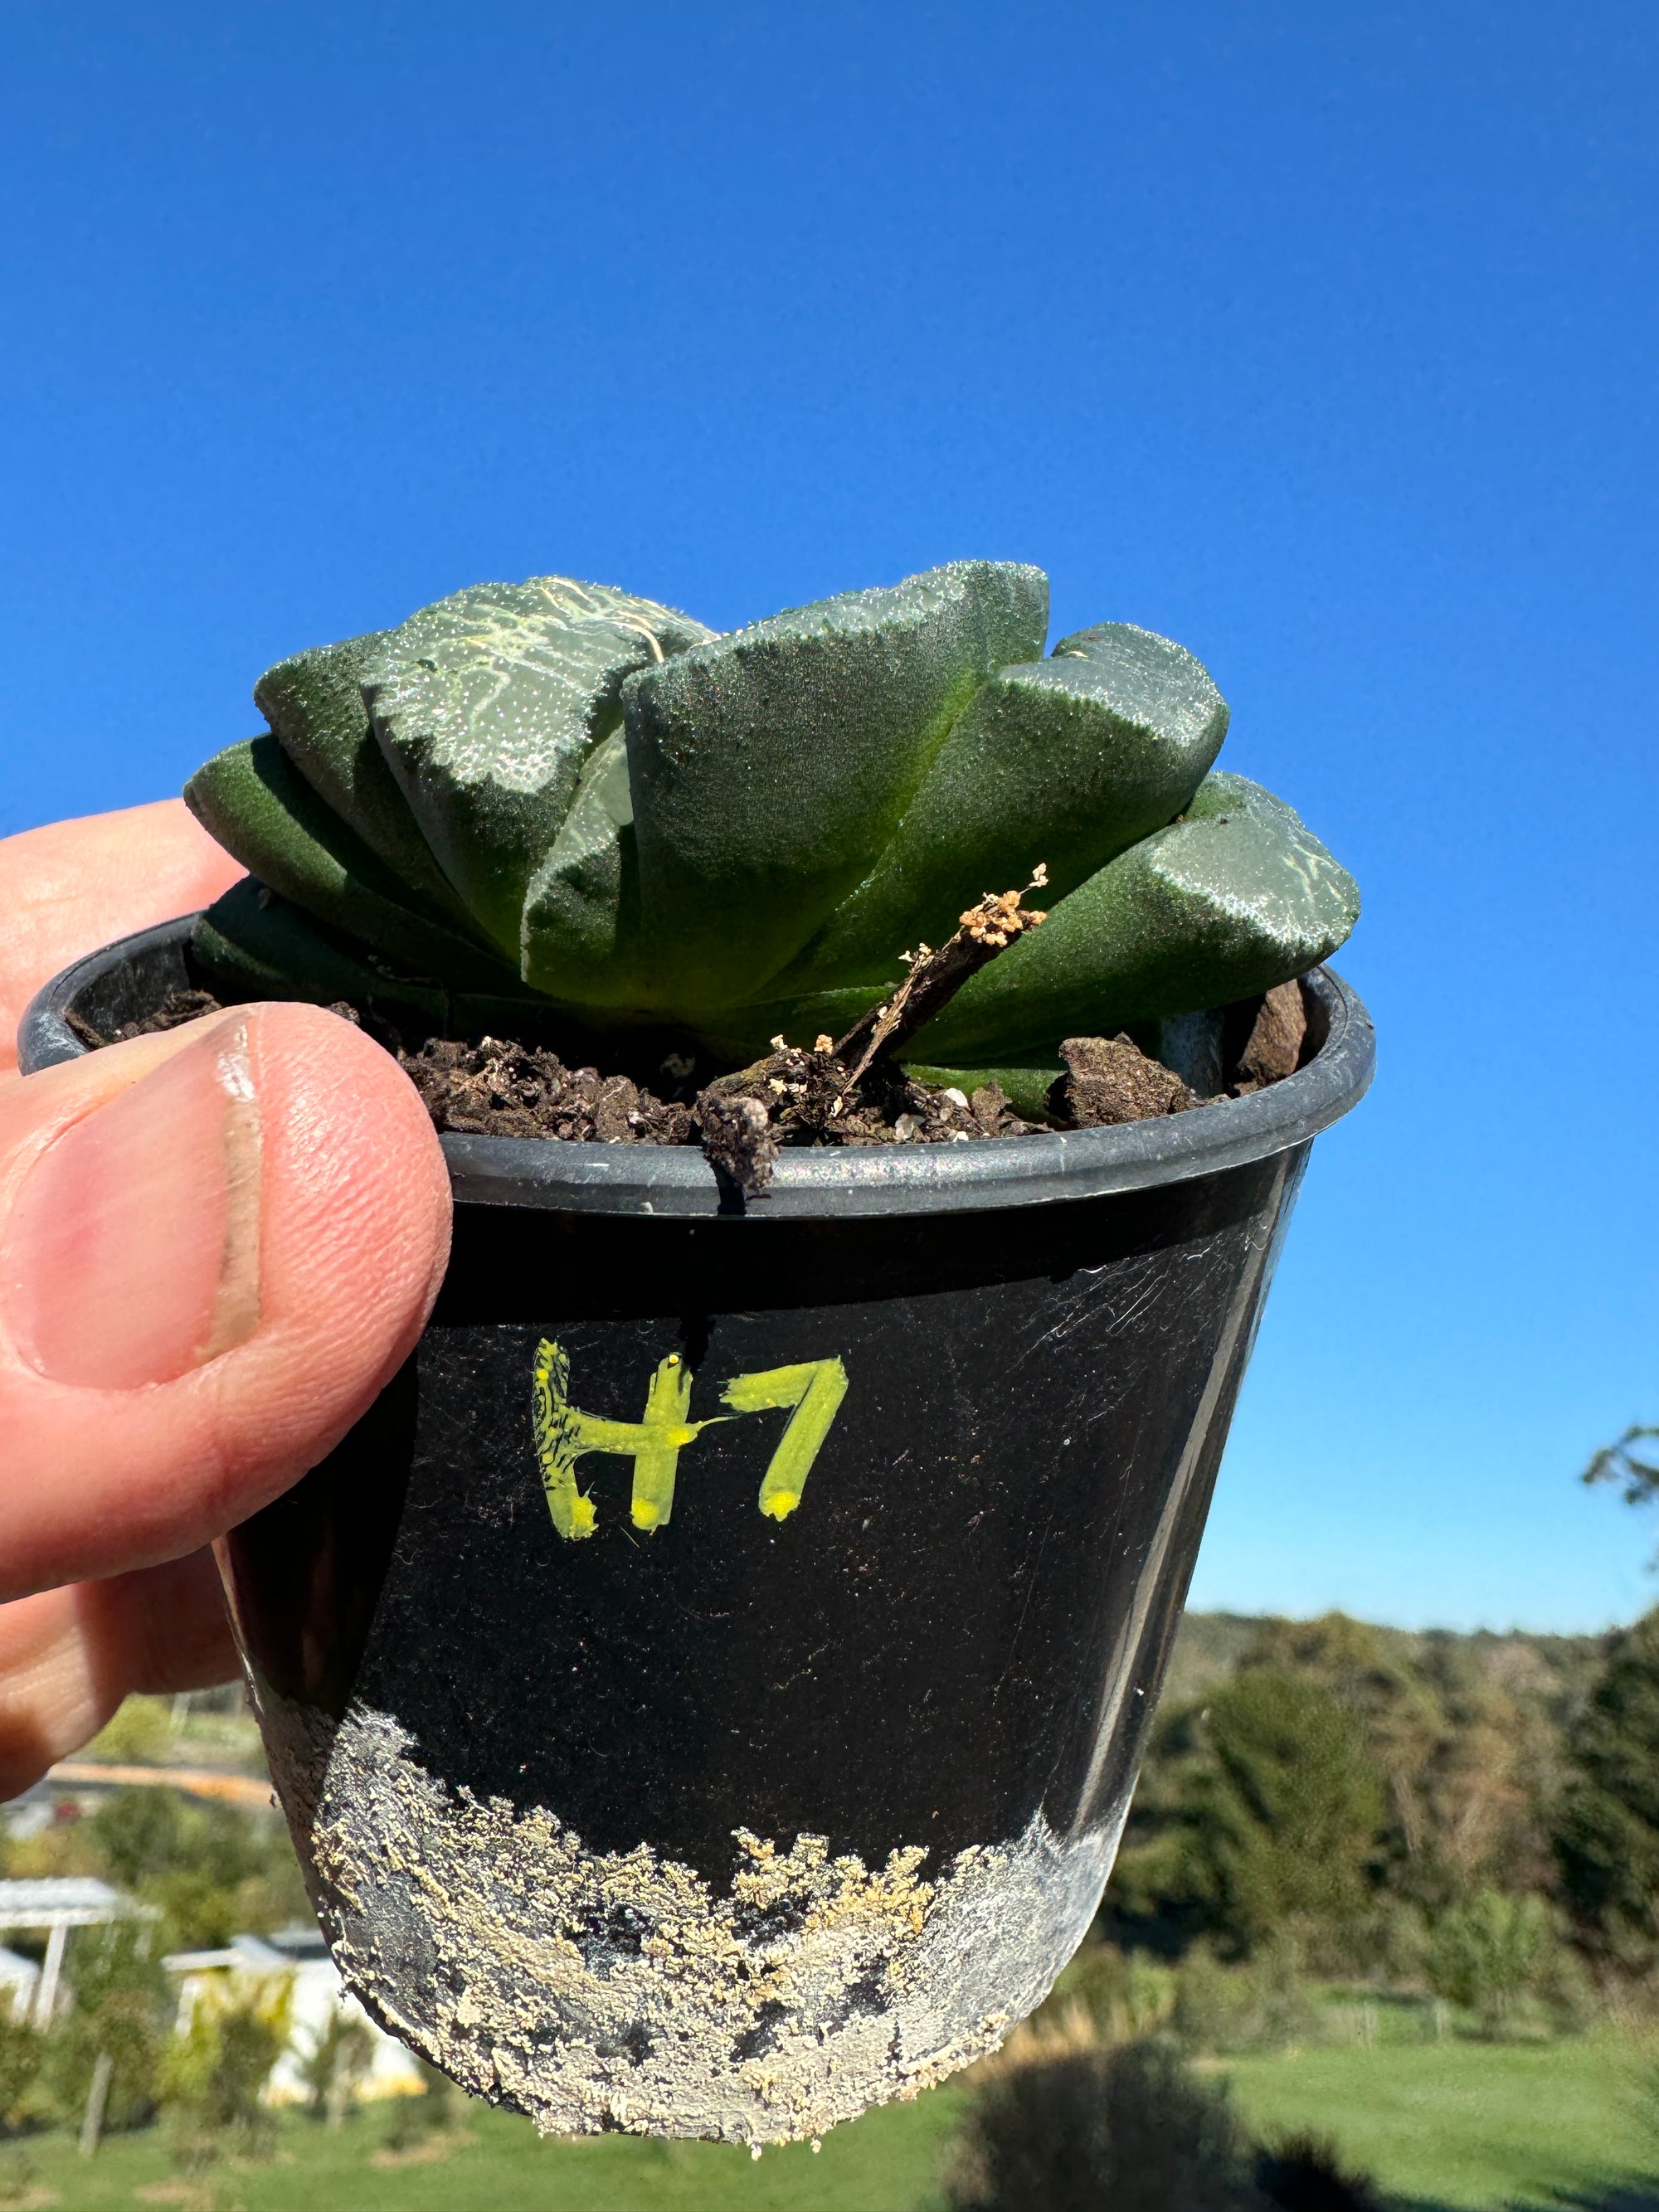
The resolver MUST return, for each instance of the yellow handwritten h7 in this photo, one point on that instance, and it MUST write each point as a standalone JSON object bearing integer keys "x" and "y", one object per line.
{"x": 813, "y": 1391}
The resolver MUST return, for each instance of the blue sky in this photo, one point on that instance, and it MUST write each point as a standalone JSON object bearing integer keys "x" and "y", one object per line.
{"x": 1322, "y": 339}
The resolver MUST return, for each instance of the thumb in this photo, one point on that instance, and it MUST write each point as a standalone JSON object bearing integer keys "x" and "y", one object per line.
{"x": 215, "y": 1246}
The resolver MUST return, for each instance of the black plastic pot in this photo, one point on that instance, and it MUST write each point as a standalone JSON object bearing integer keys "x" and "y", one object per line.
{"x": 706, "y": 1687}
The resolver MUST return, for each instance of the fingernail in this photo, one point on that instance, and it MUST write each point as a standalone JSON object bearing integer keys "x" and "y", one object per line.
{"x": 131, "y": 1254}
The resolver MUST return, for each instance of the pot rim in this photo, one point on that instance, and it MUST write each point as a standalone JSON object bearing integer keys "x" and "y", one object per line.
{"x": 676, "y": 1182}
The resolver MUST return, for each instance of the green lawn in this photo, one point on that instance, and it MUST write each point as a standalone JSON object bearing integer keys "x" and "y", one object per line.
{"x": 885, "y": 2162}
{"x": 1457, "y": 2125}
{"x": 1468, "y": 2124}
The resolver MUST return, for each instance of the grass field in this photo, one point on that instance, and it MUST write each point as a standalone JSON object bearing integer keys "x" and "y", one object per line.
{"x": 1452, "y": 2127}
{"x": 1471, "y": 2124}
{"x": 885, "y": 2162}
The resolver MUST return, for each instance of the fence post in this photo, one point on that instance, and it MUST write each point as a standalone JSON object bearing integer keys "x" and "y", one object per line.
{"x": 46, "y": 1997}
{"x": 97, "y": 2096}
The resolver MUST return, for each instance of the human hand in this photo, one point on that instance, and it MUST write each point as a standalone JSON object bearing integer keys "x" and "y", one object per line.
{"x": 216, "y": 1244}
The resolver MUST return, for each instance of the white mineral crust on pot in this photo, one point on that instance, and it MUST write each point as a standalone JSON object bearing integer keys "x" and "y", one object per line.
{"x": 602, "y": 1991}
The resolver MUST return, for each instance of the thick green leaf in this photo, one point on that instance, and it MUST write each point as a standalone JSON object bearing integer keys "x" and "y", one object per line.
{"x": 769, "y": 769}
{"x": 743, "y": 1033}
{"x": 252, "y": 943}
{"x": 487, "y": 705}
{"x": 1066, "y": 760}
{"x": 313, "y": 702}
{"x": 581, "y": 913}
{"x": 1233, "y": 898}
{"x": 252, "y": 801}
{"x": 1024, "y": 1083}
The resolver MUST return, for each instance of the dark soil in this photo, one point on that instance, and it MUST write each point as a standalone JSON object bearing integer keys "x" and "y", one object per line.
{"x": 793, "y": 1097}
{"x": 796, "y": 1097}
{"x": 499, "y": 1089}
{"x": 174, "y": 1011}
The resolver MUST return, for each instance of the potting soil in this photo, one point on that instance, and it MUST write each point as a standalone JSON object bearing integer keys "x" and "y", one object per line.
{"x": 501, "y": 1087}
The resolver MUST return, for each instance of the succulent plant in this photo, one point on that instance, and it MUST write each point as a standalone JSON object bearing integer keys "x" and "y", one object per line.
{"x": 556, "y": 796}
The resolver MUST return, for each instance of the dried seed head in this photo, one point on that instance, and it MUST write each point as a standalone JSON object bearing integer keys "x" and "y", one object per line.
{"x": 999, "y": 917}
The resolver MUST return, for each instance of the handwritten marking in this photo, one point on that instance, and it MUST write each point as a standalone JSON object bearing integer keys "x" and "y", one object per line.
{"x": 812, "y": 1393}
{"x": 815, "y": 1390}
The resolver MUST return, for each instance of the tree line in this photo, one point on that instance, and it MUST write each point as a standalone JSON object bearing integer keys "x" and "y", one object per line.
{"x": 1474, "y": 1815}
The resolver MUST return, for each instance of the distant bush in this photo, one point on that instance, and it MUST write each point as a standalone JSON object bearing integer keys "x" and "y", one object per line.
{"x": 1305, "y": 2172}
{"x": 415, "y": 2120}
{"x": 1063, "y": 2122}
{"x": 139, "y": 1733}
{"x": 1488, "y": 1954}
{"x": 214, "y": 1871}
{"x": 1075, "y": 2127}
{"x": 138, "y": 1832}
{"x": 22, "y": 2053}
{"x": 1126, "y": 1996}
{"x": 122, "y": 2008}
{"x": 1570, "y": 1998}
{"x": 1263, "y": 2005}
{"x": 213, "y": 2077}
{"x": 1396, "y": 1943}
{"x": 336, "y": 2065}
{"x": 1266, "y": 1813}
{"x": 124, "y": 2026}
{"x": 1607, "y": 1835}
{"x": 124, "y": 1955}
